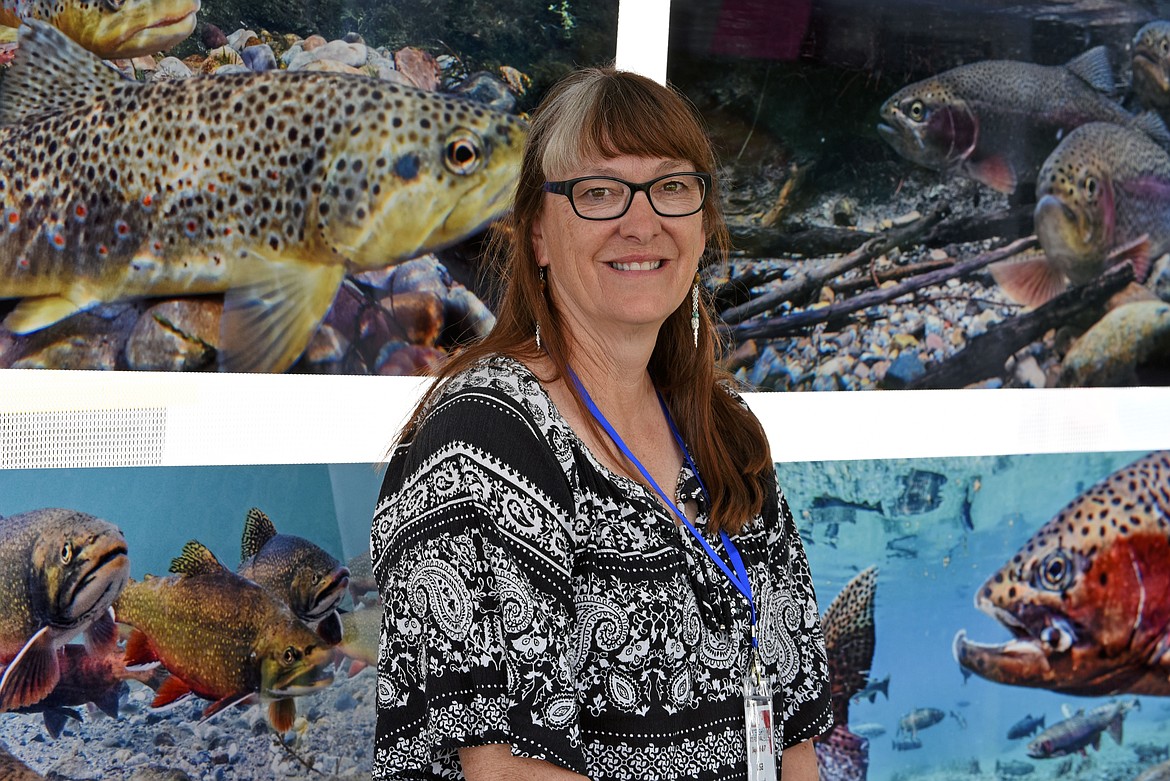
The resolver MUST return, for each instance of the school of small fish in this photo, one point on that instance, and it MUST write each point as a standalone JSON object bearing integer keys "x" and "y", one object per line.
{"x": 1087, "y": 598}
{"x": 266, "y": 187}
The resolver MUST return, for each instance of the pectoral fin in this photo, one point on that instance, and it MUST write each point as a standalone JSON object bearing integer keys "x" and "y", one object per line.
{"x": 282, "y": 713}
{"x": 101, "y": 636}
{"x": 995, "y": 172}
{"x": 1030, "y": 281}
{"x": 227, "y": 702}
{"x": 33, "y": 314}
{"x": 55, "y": 719}
{"x": 269, "y": 319}
{"x": 32, "y": 674}
{"x": 172, "y": 690}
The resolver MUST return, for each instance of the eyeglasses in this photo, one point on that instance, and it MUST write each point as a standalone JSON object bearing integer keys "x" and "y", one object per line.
{"x": 607, "y": 198}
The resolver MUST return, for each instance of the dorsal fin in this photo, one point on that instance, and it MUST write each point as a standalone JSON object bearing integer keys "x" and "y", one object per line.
{"x": 196, "y": 559}
{"x": 1152, "y": 124}
{"x": 1093, "y": 66}
{"x": 258, "y": 530}
{"x": 51, "y": 73}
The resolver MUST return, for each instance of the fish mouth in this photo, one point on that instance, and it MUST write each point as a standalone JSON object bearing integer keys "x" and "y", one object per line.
{"x": 1027, "y": 659}
{"x": 300, "y": 681}
{"x": 153, "y": 34}
{"x": 1147, "y": 63}
{"x": 327, "y": 599}
{"x": 95, "y": 588}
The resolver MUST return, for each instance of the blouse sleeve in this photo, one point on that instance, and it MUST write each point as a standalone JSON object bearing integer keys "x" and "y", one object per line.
{"x": 473, "y": 554}
{"x": 803, "y": 691}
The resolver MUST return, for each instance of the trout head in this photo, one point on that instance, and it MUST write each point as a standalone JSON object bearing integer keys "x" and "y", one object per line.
{"x": 121, "y": 28}
{"x": 1075, "y": 214}
{"x": 293, "y": 661}
{"x": 414, "y": 172}
{"x": 1086, "y": 597}
{"x": 78, "y": 567}
{"x": 317, "y": 591}
{"x": 930, "y": 125}
{"x": 1151, "y": 64}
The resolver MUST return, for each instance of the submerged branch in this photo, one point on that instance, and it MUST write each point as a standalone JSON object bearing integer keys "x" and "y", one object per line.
{"x": 799, "y": 321}
{"x": 813, "y": 275}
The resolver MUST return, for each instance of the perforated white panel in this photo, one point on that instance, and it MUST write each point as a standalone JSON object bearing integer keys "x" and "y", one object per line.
{"x": 115, "y": 437}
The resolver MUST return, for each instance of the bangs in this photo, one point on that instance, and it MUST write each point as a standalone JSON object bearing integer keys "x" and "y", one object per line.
{"x": 610, "y": 117}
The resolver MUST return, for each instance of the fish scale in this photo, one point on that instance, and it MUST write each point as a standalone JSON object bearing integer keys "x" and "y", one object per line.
{"x": 1087, "y": 598}
{"x": 265, "y": 187}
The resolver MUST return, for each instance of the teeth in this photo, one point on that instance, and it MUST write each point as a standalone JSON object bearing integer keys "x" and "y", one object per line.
{"x": 648, "y": 265}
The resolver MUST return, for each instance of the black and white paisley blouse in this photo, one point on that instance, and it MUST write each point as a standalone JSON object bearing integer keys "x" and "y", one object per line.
{"x": 536, "y": 598}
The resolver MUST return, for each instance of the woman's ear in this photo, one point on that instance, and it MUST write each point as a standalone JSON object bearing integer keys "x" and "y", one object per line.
{"x": 538, "y": 241}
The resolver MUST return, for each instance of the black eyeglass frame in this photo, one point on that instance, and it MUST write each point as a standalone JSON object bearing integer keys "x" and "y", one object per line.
{"x": 565, "y": 188}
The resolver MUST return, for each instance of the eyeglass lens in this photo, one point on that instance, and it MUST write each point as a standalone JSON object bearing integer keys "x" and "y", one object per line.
{"x": 671, "y": 196}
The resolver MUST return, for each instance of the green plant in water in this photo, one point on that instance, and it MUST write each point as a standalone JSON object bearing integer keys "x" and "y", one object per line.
{"x": 567, "y": 20}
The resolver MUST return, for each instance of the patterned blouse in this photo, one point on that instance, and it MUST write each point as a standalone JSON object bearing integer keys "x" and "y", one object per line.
{"x": 534, "y": 597}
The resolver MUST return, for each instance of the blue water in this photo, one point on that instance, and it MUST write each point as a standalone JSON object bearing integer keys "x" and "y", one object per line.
{"x": 925, "y": 594}
{"x": 160, "y": 508}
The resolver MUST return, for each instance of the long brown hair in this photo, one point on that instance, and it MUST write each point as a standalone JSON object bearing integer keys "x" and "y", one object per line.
{"x": 603, "y": 112}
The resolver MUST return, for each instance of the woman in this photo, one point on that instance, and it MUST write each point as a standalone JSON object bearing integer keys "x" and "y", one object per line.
{"x": 550, "y": 609}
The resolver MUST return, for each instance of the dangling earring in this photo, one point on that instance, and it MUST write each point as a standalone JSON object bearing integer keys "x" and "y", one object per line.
{"x": 695, "y": 311}
{"x": 543, "y": 276}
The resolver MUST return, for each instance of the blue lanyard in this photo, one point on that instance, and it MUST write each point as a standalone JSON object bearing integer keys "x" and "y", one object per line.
{"x": 738, "y": 577}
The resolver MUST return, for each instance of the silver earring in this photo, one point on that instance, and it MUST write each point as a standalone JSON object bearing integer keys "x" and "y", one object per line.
{"x": 695, "y": 311}
{"x": 543, "y": 277}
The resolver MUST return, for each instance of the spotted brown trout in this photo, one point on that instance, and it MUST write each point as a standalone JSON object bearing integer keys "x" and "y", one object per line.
{"x": 110, "y": 28}
{"x": 1104, "y": 199}
{"x": 266, "y": 187}
{"x": 1087, "y": 598}
{"x": 996, "y": 121}
{"x": 221, "y": 637}
{"x": 60, "y": 570}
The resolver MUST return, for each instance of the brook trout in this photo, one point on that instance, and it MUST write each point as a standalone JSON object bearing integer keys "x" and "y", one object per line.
{"x": 60, "y": 571}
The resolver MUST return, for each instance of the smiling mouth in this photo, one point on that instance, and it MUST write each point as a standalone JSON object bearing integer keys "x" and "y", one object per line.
{"x": 649, "y": 265}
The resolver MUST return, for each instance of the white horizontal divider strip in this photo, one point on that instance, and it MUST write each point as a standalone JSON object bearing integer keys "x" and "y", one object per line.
{"x": 301, "y": 419}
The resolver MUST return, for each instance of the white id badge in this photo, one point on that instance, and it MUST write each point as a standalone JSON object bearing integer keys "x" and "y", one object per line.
{"x": 757, "y": 711}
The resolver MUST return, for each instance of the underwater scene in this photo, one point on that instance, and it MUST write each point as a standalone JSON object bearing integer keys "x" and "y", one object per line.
{"x": 260, "y": 185}
{"x": 938, "y": 193}
{"x": 986, "y": 618}
{"x": 921, "y": 193}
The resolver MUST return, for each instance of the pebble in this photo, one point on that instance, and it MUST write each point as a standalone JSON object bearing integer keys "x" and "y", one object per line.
{"x": 353, "y": 55}
{"x": 259, "y": 59}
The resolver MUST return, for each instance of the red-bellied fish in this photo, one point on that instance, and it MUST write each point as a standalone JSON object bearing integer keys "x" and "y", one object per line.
{"x": 60, "y": 571}
{"x": 1087, "y": 598}
{"x": 221, "y": 637}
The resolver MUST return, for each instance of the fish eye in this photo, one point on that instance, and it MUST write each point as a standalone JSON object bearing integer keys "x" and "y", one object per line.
{"x": 67, "y": 552}
{"x": 114, "y": 5}
{"x": 1091, "y": 186}
{"x": 917, "y": 110}
{"x": 1056, "y": 571}
{"x": 462, "y": 154}
{"x": 291, "y": 655}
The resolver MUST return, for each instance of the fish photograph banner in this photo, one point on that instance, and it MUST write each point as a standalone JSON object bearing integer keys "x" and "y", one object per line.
{"x": 926, "y": 194}
{"x": 984, "y": 616}
{"x": 264, "y": 185}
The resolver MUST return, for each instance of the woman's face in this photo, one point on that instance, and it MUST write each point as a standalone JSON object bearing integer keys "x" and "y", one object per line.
{"x": 626, "y": 273}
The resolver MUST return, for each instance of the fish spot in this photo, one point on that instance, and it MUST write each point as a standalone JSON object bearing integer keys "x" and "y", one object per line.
{"x": 407, "y": 166}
